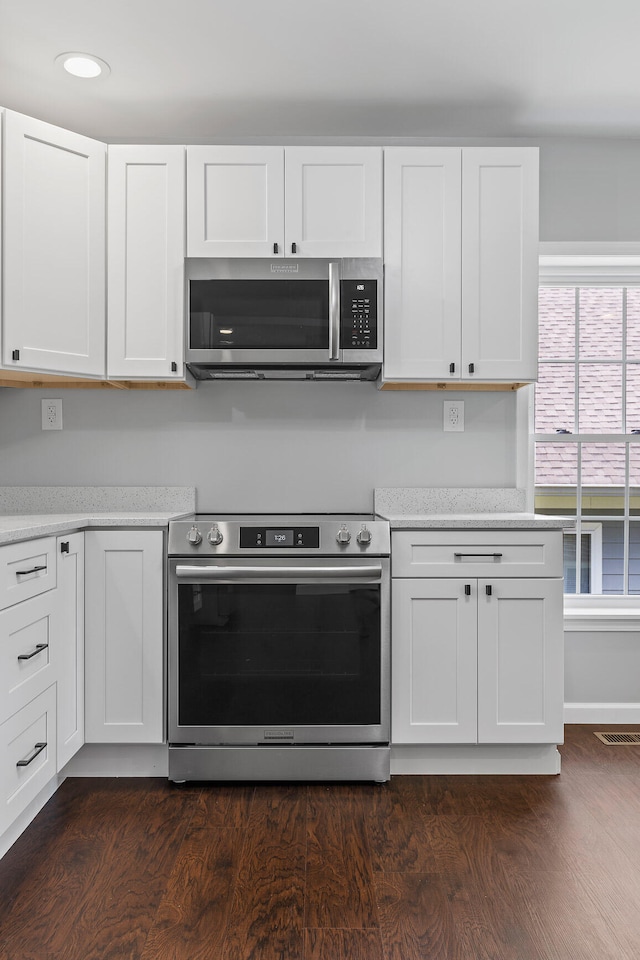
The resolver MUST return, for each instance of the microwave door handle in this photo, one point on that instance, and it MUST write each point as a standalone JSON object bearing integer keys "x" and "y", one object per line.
{"x": 334, "y": 310}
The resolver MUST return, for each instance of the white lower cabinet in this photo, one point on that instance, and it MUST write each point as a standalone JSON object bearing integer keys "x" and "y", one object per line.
{"x": 30, "y": 641}
{"x": 70, "y": 672}
{"x": 124, "y": 636}
{"x": 27, "y": 754}
{"x": 477, "y": 659}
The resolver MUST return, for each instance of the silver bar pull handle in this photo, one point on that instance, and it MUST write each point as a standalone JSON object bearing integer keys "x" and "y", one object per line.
{"x": 369, "y": 573}
{"x": 334, "y": 310}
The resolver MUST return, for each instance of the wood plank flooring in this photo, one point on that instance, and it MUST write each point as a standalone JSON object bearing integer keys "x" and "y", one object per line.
{"x": 421, "y": 868}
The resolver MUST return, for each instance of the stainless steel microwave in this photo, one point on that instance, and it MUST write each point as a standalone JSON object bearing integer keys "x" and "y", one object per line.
{"x": 284, "y": 319}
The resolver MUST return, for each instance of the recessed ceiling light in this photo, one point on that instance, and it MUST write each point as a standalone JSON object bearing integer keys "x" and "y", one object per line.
{"x": 83, "y": 65}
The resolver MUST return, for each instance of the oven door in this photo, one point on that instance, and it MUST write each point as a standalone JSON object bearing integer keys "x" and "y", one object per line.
{"x": 279, "y": 650}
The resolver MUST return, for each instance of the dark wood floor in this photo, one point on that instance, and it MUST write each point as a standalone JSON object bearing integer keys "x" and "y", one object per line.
{"x": 422, "y": 868}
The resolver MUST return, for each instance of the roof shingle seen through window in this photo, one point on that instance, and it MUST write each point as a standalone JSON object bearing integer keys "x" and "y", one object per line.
{"x": 600, "y": 386}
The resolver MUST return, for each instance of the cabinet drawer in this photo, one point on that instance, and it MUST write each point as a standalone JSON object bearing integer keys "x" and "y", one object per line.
{"x": 26, "y": 667}
{"x": 26, "y": 569}
{"x": 25, "y": 764}
{"x": 476, "y": 553}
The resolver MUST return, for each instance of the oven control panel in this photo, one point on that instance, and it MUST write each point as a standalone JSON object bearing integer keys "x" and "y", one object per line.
{"x": 269, "y": 537}
{"x": 348, "y": 535}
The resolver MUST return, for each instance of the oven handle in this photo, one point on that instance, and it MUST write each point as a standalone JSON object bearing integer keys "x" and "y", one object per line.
{"x": 370, "y": 573}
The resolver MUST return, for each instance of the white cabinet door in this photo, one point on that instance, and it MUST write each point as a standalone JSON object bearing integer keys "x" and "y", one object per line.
{"x": 70, "y": 646}
{"x": 520, "y": 661}
{"x": 422, "y": 254}
{"x": 461, "y": 264}
{"x": 500, "y": 263}
{"x": 235, "y": 201}
{"x": 434, "y": 679}
{"x": 54, "y": 249}
{"x": 275, "y": 202}
{"x": 146, "y": 211}
{"x": 333, "y": 201}
{"x": 124, "y": 636}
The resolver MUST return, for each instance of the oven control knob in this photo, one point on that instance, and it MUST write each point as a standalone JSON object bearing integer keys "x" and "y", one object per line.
{"x": 215, "y": 535}
{"x": 194, "y": 537}
{"x": 344, "y": 535}
{"x": 364, "y": 536}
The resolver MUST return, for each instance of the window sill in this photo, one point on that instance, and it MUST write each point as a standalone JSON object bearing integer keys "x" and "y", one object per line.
{"x": 601, "y": 614}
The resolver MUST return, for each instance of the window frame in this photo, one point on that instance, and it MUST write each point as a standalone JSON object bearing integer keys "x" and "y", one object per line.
{"x": 583, "y": 265}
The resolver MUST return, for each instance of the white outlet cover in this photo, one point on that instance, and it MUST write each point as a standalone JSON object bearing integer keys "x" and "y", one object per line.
{"x": 52, "y": 414}
{"x": 453, "y": 416}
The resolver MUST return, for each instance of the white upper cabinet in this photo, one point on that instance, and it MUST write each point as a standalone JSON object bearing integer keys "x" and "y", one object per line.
{"x": 333, "y": 202}
{"x": 461, "y": 264}
{"x": 235, "y": 201}
{"x": 500, "y": 263}
{"x": 146, "y": 217}
{"x": 284, "y": 202}
{"x": 422, "y": 244}
{"x": 54, "y": 249}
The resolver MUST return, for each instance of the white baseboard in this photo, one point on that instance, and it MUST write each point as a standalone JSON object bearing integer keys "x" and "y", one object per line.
{"x": 119, "y": 760}
{"x": 475, "y": 759}
{"x": 21, "y": 823}
{"x": 602, "y": 713}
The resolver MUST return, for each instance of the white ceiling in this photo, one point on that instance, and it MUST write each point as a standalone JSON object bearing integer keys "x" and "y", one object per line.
{"x": 206, "y": 70}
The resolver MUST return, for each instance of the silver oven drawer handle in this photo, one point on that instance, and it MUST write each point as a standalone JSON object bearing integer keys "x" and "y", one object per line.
{"x": 373, "y": 572}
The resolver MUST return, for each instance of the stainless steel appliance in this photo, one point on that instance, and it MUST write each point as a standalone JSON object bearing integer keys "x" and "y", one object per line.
{"x": 279, "y": 648}
{"x": 284, "y": 319}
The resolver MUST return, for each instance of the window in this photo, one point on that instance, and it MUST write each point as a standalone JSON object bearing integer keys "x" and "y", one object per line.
{"x": 587, "y": 430}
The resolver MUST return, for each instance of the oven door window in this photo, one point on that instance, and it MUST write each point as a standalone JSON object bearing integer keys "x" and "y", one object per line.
{"x": 278, "y": 654}
{"x": 259, "y": 315}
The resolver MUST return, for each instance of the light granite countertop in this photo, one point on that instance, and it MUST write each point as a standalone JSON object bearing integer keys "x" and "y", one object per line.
{"x": 29, "y": 526}
{"x": 29, "y": 512}
{"x": 461, "y": 508}
{"x": 475, "y": 521}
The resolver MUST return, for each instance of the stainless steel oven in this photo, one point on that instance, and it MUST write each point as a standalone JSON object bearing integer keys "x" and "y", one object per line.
{"x": 279, "y": 648}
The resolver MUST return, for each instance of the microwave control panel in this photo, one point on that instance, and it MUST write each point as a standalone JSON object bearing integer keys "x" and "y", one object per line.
{"x": 359, "y": 314}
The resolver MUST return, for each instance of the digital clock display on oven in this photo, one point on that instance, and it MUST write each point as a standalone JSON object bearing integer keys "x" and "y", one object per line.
{"x": 279, "y": 538}
{"x": 270, "y": 537}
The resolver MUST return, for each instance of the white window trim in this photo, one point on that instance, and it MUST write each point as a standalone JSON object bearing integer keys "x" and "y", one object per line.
{"x": 574, "y": 264}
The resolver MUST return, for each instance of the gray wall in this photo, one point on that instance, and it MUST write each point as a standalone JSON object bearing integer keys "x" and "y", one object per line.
{"x": 260, "y": 446}
{"x": 590, "y": 190}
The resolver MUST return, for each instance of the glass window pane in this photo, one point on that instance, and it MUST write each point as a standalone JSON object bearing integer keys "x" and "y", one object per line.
{"x": 557, "y": 468}
{"x": 555, "y": 403}
{"x": 600, "y": 398}
{"x": 634, "y": 558}
{"x": 633, "y": 397}
{"x": 557, "y": 322}
{"x": 603, "y": 479}
{"x": 633, "y": 323}
{"x": 613, "y": 557}
{"x": 569, "y": 565}
{"x": 634, "y": 479}
{"x": 600, "y": 312}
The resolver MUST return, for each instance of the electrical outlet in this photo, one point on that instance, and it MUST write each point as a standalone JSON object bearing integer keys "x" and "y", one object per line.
{"x": 52, "y": 414}
{"x": 454, "y": 416}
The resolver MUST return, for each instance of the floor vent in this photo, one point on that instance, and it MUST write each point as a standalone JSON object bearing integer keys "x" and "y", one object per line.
{"x": 622, "y": 739}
